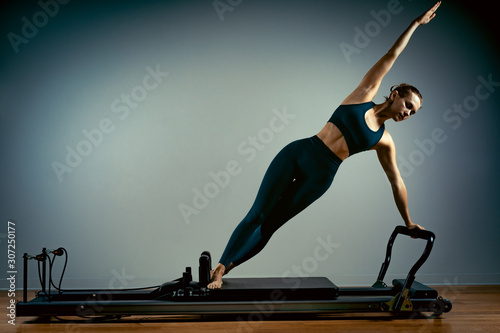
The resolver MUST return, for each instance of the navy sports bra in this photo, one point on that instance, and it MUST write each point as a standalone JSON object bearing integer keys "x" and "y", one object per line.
{"x": 350, "y": 120}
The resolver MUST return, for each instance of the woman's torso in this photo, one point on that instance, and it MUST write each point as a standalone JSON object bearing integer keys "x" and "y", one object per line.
{"x": 352, "y": 129}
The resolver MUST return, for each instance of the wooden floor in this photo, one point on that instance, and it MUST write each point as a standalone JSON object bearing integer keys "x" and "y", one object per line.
{"x": 475, "y": 309}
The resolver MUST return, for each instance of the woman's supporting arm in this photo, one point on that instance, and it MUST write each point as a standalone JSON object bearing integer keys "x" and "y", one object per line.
{"x": 386, "y": 152}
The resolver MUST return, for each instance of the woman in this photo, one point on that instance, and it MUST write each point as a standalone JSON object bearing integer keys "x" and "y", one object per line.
{"x": 305, "y": 169}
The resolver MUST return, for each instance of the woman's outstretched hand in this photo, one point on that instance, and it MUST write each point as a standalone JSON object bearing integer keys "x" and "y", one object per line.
{"x": 428, "y": 15}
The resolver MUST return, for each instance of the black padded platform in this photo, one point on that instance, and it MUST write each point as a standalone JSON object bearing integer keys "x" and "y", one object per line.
{"x": 273, "y": 289}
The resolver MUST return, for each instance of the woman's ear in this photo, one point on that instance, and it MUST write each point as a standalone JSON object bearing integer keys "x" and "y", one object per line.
{"x": 393, "y": 95}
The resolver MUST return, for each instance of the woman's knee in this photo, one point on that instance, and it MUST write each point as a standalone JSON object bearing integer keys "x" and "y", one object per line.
{"x": 254, "y": 219}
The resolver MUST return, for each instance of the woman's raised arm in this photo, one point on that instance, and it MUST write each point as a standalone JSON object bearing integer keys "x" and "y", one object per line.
{"x": 370, "y": 83}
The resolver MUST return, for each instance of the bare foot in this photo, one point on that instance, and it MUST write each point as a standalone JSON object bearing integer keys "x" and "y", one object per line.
{"x": 217, "y": 274}
{"x": 216, "y": 277}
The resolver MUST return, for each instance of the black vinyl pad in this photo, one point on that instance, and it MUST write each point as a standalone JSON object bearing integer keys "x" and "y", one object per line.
{"x": 275, "y": 289}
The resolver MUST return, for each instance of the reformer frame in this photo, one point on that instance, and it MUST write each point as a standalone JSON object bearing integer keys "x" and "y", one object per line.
{"x": 184, "y": 296}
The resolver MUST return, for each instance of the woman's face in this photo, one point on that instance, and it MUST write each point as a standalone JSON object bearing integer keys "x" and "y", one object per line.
{"x": 404, "y": 107}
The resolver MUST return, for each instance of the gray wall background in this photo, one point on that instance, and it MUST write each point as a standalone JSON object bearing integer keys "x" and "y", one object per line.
{"x": 236, "y": 81}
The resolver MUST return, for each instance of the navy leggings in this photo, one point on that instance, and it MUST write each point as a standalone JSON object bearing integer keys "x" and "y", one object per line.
{"x": 300, "y": 173}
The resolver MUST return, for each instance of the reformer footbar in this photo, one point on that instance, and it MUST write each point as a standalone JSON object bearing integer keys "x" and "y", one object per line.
{"x": 247, "y": 295}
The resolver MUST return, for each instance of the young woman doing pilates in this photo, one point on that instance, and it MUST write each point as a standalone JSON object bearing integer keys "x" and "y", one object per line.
{"x": 304, "y": 169}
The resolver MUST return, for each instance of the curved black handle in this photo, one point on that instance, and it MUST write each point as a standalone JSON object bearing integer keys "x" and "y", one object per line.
{"x": 415, "y": 233}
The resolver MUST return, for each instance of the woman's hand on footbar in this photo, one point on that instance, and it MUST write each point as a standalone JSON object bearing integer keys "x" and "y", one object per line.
{"x": 412, "y": 226}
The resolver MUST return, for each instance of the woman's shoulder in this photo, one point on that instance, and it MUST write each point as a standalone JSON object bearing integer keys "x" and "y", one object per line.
{"x": 386, "y": 141}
